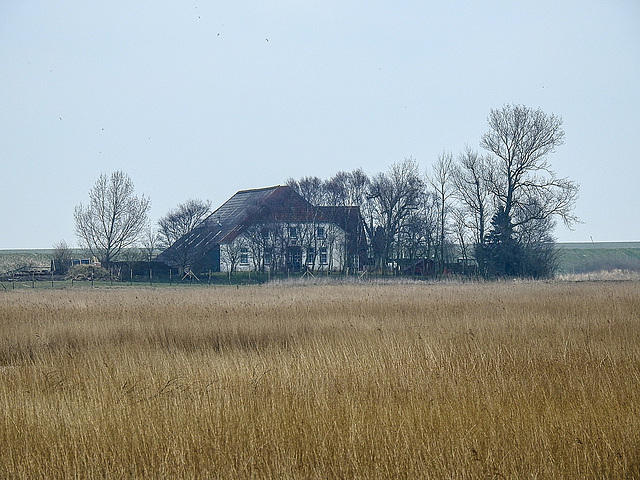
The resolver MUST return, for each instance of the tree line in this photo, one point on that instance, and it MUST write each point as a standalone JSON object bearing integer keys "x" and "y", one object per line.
{"x": 497, "y": 208}
{"x": 494, "y": 210}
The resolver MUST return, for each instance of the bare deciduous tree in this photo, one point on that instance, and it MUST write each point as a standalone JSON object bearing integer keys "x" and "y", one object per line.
{"x": 178, "y": 223}
{"x": 150, "y": 243}
{"x": 62, "y": 256}
{"x": 182, "y": 220}
{"x": 357, "y": 183}
{"x": 394, "y": 196}
{"x": 527, "y": 193}
{"x": 441, "y": 180}
{"x": 230, "y": 254}
{"x": 472, "y": 192}
{"x": 309, "y": 188}
{"x": 419, "y": 231}
{"x": 258, "y": 237}
{"x": 114, "y": 218}
{"x": 521, "y": 178}
{"x": 337, "y": 189}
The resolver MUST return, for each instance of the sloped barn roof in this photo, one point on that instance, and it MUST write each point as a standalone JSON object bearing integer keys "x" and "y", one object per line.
{"x": 346, "y": 217}
{"x": 273, "y": 204}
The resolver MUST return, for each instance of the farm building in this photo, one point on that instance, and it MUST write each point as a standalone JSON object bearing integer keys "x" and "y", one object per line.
{"x": 272, "y": 229}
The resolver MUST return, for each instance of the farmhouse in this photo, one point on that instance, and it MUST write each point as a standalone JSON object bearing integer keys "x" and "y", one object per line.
{"x": 272, "y": 229}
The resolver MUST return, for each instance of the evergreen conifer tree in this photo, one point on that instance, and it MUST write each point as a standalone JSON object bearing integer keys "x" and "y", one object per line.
{"x": 502, "y": 255}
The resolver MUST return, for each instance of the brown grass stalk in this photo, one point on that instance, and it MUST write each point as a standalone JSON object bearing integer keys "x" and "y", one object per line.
{"x": 506, "y": 380}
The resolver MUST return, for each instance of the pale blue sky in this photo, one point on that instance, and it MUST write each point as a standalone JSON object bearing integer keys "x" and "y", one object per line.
{"x": 201, "y": 99}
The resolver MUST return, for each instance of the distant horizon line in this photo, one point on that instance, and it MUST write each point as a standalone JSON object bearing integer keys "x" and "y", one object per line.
{"x": 573, "y": 242}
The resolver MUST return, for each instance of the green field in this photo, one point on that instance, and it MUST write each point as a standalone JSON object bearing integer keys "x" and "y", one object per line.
{"x": 594, "y": 257}
{"x": 11, "y": 260}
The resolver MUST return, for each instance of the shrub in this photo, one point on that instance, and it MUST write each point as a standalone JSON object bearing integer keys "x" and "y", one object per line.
{"x": 88, "y": 272}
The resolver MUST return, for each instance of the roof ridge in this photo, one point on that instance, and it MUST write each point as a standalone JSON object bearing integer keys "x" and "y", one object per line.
{"x": 274, "y": 187}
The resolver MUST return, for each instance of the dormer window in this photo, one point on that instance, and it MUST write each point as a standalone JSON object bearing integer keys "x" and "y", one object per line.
{"x": 293, "y": 232}
{"x": 320, "y": 233}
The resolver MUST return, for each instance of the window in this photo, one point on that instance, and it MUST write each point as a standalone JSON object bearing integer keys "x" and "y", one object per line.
{"x": 244, "y": 256}
{"x": 294, "y": 256}
{"x": 320, "y": 233}
{"x": 311, "y": 255}
{"x": 323, "y": 255}
{"x": 293, "y": 232}
{"x": 267, "y": 257}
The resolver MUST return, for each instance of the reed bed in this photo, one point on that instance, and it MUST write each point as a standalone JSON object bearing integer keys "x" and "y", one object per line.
{"x": 493, "y": 380}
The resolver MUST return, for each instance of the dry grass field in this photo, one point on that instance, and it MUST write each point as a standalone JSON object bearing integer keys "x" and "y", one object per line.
{"x": 504, "y": 380}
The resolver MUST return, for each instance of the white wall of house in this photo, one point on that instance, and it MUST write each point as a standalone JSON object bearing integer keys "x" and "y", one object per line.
{"x": 316, "y": 246}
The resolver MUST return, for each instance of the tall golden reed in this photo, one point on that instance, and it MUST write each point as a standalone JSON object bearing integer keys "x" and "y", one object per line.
{"x": 505, "y": 380}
